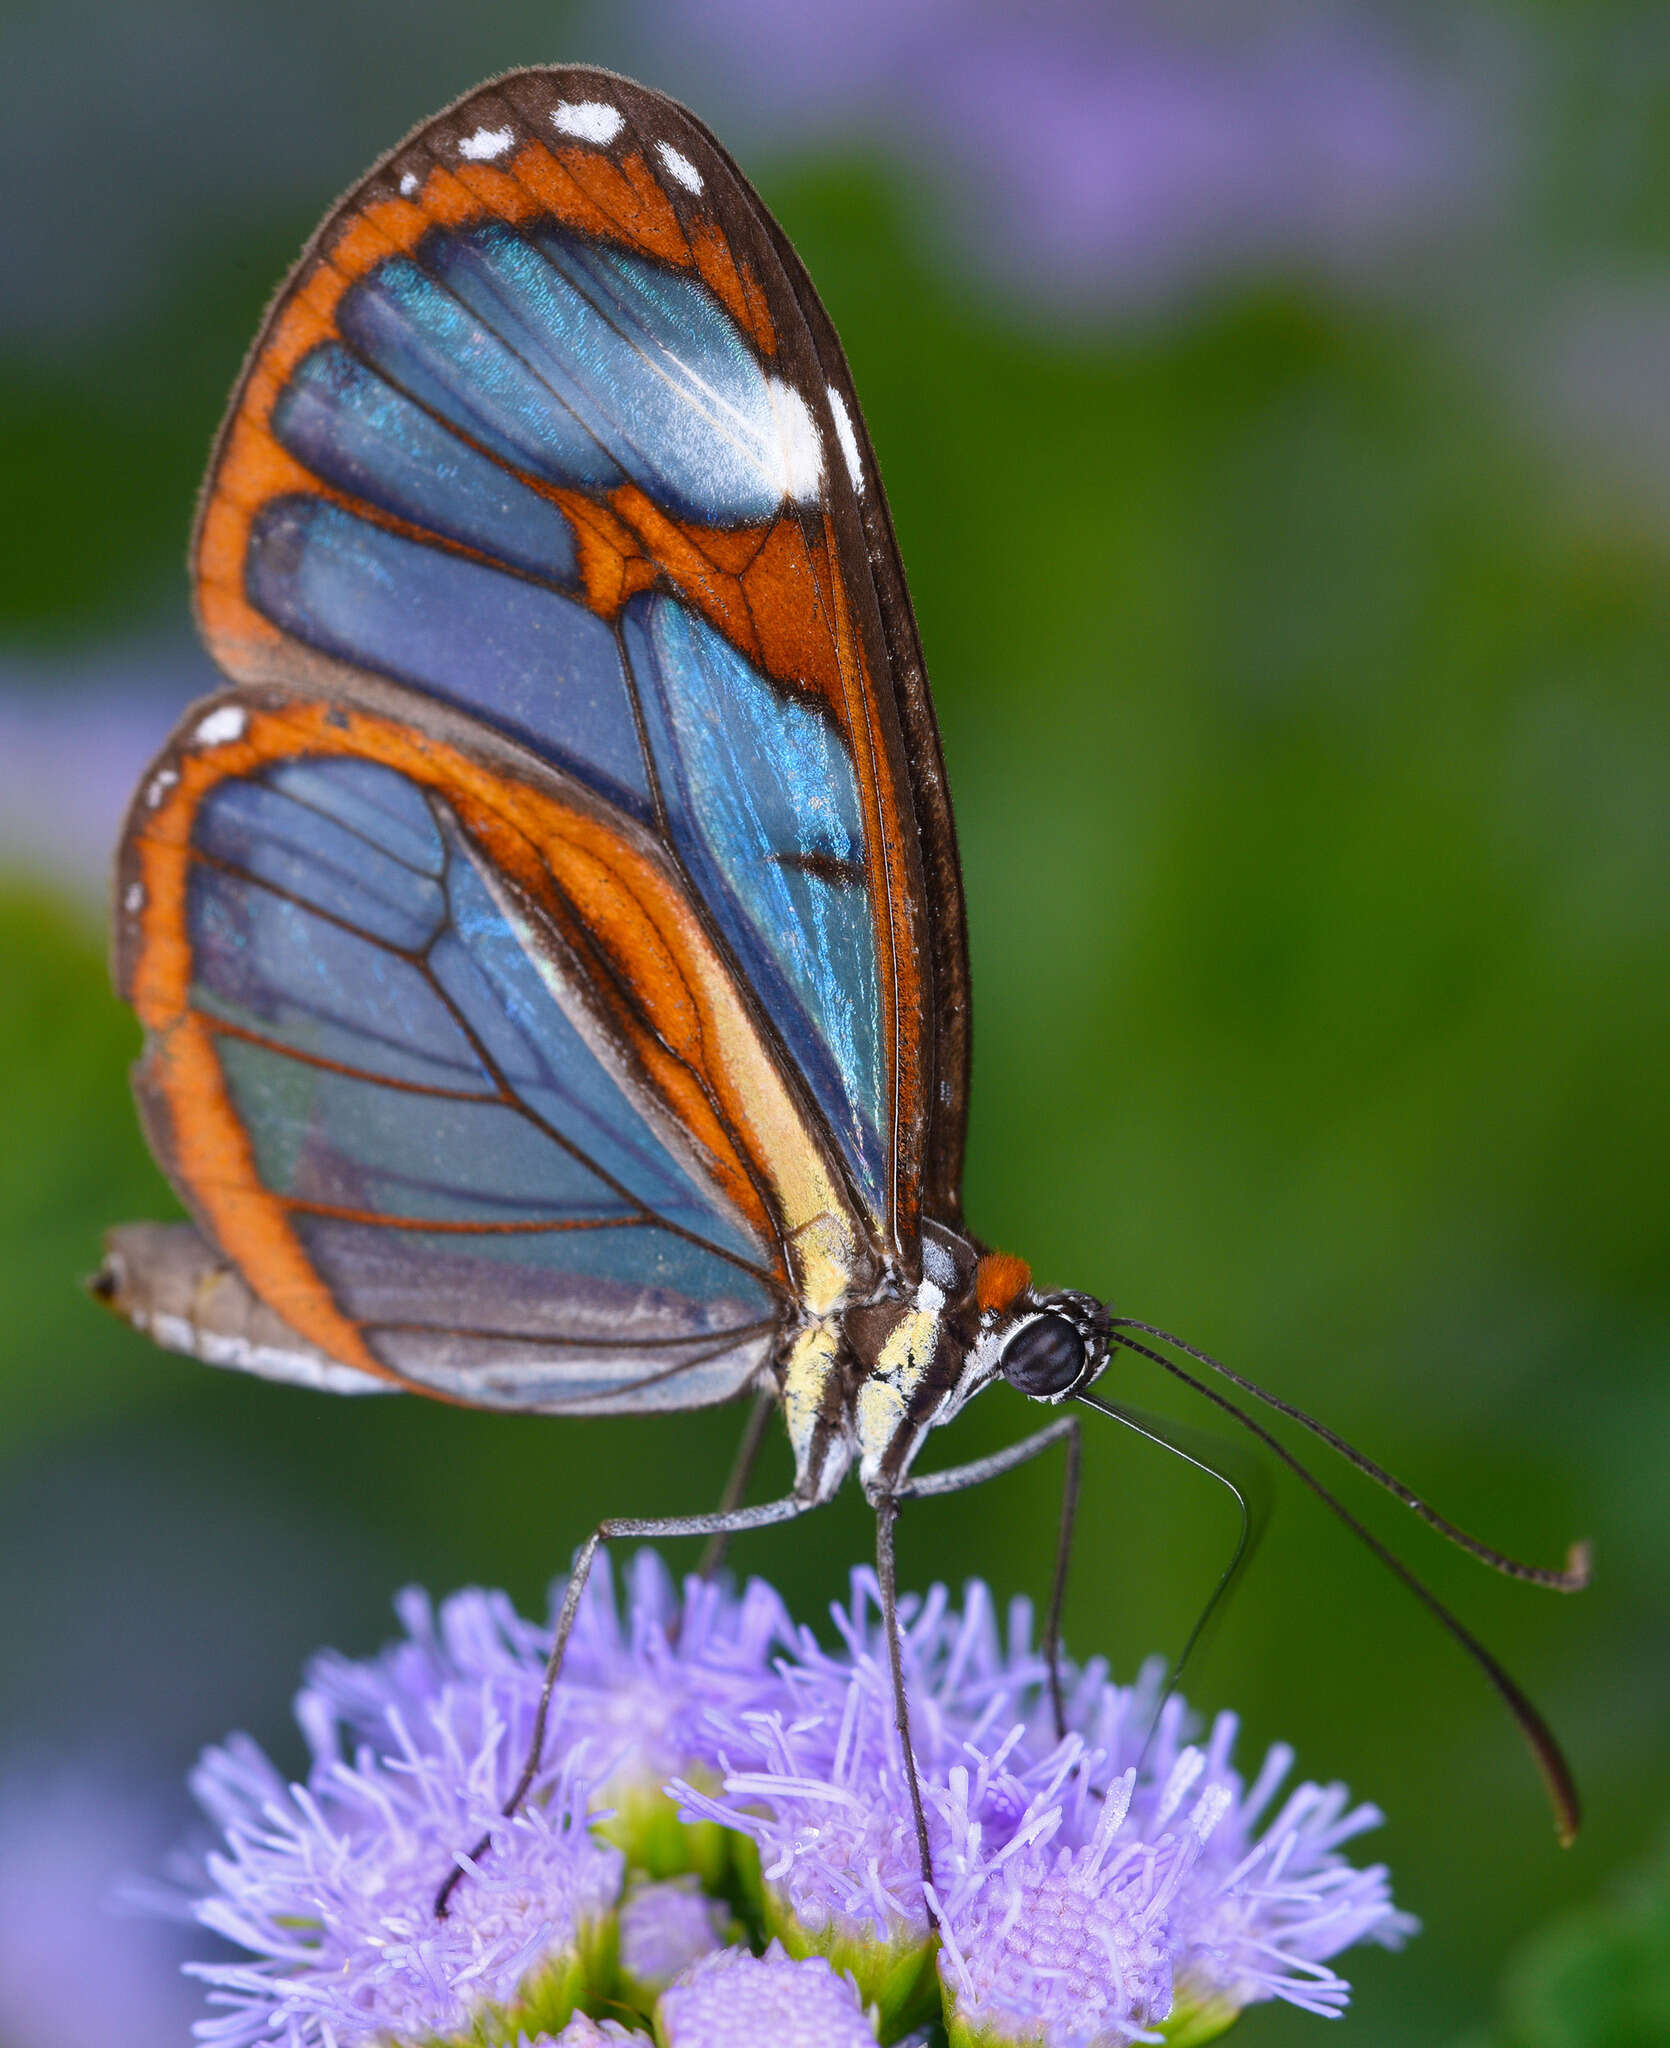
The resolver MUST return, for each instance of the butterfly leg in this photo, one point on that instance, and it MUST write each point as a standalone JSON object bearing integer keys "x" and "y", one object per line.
{"x": 957, "y": 1479}
{"x": 1058, "y": 1584}
{"x": 753, "y": 1435}
{"x": 726, "y": 1522}
{"x": 887, "y": 1513}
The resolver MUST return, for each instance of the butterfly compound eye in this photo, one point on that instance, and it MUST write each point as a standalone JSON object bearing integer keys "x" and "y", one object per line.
{"x": 1045, "y": 1356}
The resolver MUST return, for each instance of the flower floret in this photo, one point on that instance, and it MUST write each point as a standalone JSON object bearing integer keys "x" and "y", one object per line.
{"x": 737, "y": 2000}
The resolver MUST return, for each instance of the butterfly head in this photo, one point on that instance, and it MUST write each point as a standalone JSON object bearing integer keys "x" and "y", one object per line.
{"x": 1051, "y": 1345}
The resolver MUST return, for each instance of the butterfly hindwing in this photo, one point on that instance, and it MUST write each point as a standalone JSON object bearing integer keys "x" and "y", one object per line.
{"x": 449, "y": 1070}
{"x": 547, "y": 464}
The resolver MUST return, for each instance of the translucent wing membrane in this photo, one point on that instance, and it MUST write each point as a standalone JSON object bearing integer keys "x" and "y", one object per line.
{"x": 400, "y": 1062}
{"x": 763, "y": 807}
{"x": 586, "y": 367}
{"x": 361, "y": 976}
{"x": 495, "y": 363}
{"x": 537, "y": 665}
{"x": 360, "y": 433}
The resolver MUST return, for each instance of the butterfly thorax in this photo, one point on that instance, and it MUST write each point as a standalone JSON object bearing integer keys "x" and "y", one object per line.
{"x": 866, "y": 1384}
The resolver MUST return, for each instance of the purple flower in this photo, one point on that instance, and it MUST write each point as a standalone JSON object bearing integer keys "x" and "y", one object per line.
{"x": 1086, "y": 1889}
{"x": 1127, "y": 154}
{"x": 1088, "y": 1914}
{"x": 78, "y": 1968}
{"x": 75, "y": 735}
{"x": 664, "y": 1928}
{"x": 1070, "y": 1945}
{"x": 331, "y": 1887}
{"x": 816, "y": 1779}
{"x": 738, "y": 2000}
{"x": 583, "y": 2031}
{"x": 634, "y": 1693}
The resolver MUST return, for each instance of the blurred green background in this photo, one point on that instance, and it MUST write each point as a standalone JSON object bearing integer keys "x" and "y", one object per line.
{"x": 1291, "y": 558}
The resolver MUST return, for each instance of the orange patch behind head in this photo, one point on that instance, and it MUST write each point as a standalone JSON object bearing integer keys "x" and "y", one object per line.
{"x": 1000, "y": 1280}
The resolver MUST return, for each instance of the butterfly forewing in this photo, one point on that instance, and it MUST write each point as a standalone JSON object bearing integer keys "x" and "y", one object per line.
{"x": 544, "y": 513}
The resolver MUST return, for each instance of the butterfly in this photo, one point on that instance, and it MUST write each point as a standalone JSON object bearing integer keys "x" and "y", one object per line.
{"x": 550, "y": 943}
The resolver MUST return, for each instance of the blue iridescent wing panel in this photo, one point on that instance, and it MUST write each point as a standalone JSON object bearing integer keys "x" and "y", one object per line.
{"x": 586, "y": 367}
{"x": 764, "y": 809}
{"x": 533, "y": 663}
{"x": 364, "y": 436}
{"x": 434, "y": 1112}
{"x": 550, "y": 427}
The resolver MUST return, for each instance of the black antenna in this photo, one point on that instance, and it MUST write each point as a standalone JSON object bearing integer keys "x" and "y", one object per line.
{"x": 1252, "y": 1497}
{"x": 1572, "y": 1579}
{"x": 1539, "y": 1738}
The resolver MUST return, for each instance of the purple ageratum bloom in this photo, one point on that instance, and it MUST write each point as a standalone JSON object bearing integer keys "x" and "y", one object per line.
{"x": 1083, "y": 1935}
{"x": 1042, "y": 1941}
{"x": 816, "y": 1777}
{"x": 633, "y": 1693}
{"x": 1068, "y": 1913}
{"x": 817, "y": 1781}
{"x": 584, "y": 2032}
{"x": 331, "y": 1889}
{"x": 1088, "y": 1889}
{"x": 733, "y": 1999}
{"x": 818, "y": 1784}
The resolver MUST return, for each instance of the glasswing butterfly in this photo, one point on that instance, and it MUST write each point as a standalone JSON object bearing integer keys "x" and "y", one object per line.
{"x": 550, "y": 943}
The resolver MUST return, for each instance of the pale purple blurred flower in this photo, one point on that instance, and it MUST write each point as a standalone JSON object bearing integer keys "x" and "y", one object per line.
{"x": 75, "y": 736}
{"x": 1123, "y": 155}
{"x": 664, "y": 1928}
{"x": 79, "y": 1968}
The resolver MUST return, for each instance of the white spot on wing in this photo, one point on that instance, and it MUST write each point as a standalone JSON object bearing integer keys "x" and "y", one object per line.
{"x": 133, "y": 897}
{"x": 161, "y": 783}
{"x": 408, "y": 184}
{"x": 679, "y": 166}
{"x": 797, "y": 452}
{"x": 588, "y": 120}
{"x": 220, "y": 726}
{"x": 847, "y": 438}
{"x": 486, "y": 143}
